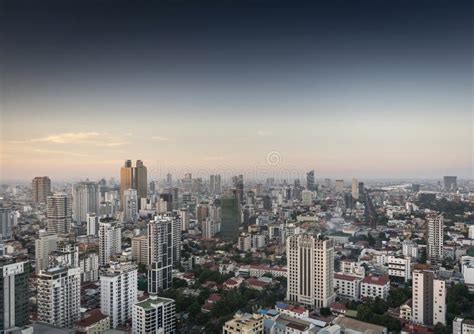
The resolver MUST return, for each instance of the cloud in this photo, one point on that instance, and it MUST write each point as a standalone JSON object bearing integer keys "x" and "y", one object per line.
{"x": 263, "y": 133}
{"x": 93, "y": 138}
{"x": 160, "y": 138}
{"x": 68, "y": 153}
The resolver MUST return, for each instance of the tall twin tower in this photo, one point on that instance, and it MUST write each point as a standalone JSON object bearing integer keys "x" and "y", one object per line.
{"x": 133, "y": 178}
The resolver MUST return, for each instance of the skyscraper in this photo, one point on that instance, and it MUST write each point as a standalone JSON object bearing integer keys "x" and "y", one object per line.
{"x": 435, "y": 238}
{"x": 14, "y": 296}
{"x": 130, "y": 207}
{"x": 110, "y": 241}
{"x": 450, "y": 183}
{"x": 59, "y": 213}
{"x": 428, "y": 298}
{"x": 126, "y": 180}
{"x": 118, "y": 292}
{"x": 41, "y": 188}
{"x": 230, "y": 217}
{"x": 160, "y": 255}
{"x": 355, "y": 189}
{"x": 6, "y": 223}
{"x": 85, "y": 200}
{"x": 310, "y": 270}
{"x": 310, "y": 183}
{"x": 59, "y": 296}
{"x": 141, "y": 179}
{"x": 339, "y": 186}
{"x": 215, "y": 184}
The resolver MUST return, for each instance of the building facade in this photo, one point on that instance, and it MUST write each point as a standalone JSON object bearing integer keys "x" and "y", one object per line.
{"x": 154, "y": 315}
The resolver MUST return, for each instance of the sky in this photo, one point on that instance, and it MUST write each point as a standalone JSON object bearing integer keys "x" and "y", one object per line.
{"x": 347, "y": 88}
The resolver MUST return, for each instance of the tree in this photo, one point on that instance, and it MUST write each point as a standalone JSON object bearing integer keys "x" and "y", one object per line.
{"x": 423, "y": 256}
{"x": 440, "y": 329}
{"x": 325, "y": 312}
{"x": 179, "y": 283}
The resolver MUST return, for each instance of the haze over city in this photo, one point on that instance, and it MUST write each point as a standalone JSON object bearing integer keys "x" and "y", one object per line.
{"x": 373, "y": 89}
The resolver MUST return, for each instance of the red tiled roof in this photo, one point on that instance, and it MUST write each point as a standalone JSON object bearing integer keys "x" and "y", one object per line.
{"x": 214, "y": 297}
{"x": 377, "y": 280}
{"x": 345, "y": 277}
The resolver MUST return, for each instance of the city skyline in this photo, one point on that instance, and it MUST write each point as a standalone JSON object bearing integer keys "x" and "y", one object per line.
{"x": 363, "y": 90}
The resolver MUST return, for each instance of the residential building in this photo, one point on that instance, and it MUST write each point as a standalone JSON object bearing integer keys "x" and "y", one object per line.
{"x": 41, "y": 189}
{"x": 435, "y": 238}
{"x": 373, "y": 286}
{"x": 118, "y": 292}
{"x": 399, "y": 268}
{"x": 140, "y": 249}
{"x": 59, "y": 296}
{"x": 93, "y": 322}
{"x": 310, "y": 270}
{"x": 59, "y": 213}
{"x": 44, "y": 245}
{"x": 160, "y": 254}
{"x": 154, "y": 315}
{"x": 429, "y": 298}
{"x": 110, "y": 240}
{"x": 347, "y": 286}
{"x": 85, "y": 200}
{"x": 244, "y": 323}
{"x": 89, "y": 264}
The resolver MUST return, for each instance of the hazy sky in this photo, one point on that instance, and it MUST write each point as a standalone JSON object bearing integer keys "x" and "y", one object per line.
{"x": 348, "y": 88}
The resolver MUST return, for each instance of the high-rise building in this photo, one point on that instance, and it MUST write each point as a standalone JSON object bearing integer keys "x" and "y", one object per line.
{"x": 209, "y": 228}
{"x": 310, "y": 181}
{"x": 166, "y": 202}
{"x": 141, "y": 179}
{"x": 169, "y": 179}
{"x": 202, "y": 212}
{"x": 89, "y": 264}
{"x": 435, "y": 238}
{"x": 14, "y": 293}
{"x": 59, "y": 296}
{"x": 230, "y": 217}
{"x": 160, "y": 254}
{"x": 85, "y": 200}
{"x": 239, "y": 187}
{"x": 307, "y": 197}
{"x": 41, "y": 188}
{"x": 6, "y": 223}
{"x": 428, "y": 298}
{"x": 59, "y": 213}
{"x": 140, "y": 249}
{"x": 118, "y": 292}
{"x": 339, "y": 186}
{"x": 450, "y": 183}
{"x": 361, "y": 189}
{"x": 110, "y": 241}
{"x": 154, "y": 315}
{"x": 310, "y": 270}
{"x": 215, "y": 184}
{"x": 44, "y": 246}
{"x": 355, "y": 189}
{"x": 92, "y": 224}
{"x": 126, "y": 180}
{"x": 130, "y": 205}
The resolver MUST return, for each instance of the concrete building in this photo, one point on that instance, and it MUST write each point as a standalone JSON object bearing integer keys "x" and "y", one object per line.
{"x": 59, "y": 296}
{"x": 347, "y": 286}
{"x": 118, "y": 292}
{"x": 92, "y": 224}
{"x": 14, "y": 303}
{"x": 410, "y": 248}
{"x": 355, "y": 189}
{"x": 463, "y": 326}
{"x": 307, "y": 197}
{"x": 230, "y": 217}
{"x": 6, "y": 223}
{"x": 375, "y": 286}
{"x": 399, "y": 268}
{"x": 428, "y": 298}
{"x": 450, "y": 183}
{"x": 85, "y": 200}
{"x": 339, "y": 186}
{"x": 89, "y": 264}
{"x": 140, "y": 249}
{"x": 244, "y": 324}
{"x": 133, "y": 178}
{"x": 160, "y": 255}
{"x": 110, "y": 241}
{"x": 130, "y": 205}
{"x": 154, "y": 315}
{"x": 44, "y": 245}
{"x": 209, "y": 228}
{"x": 93, "y": 322}
{"x": 310, "y": 270}
{"x": 41, "y": 189}
{"x": 59, "y": 213}
{"x": 435, "y": 238}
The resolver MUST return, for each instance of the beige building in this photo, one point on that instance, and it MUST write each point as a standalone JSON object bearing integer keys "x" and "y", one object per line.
{"x": 140, "y": 249}
{"x": 126, "y": 180}
{"x": 133, "y": 178}
{"x": 244, "y": 324}
{"x": 41, "y": 189}
{"x": 94, "y": 322}
{"x": 435, "y": 238}
{"x": 44, "y": 245}
{"x": 428, "y": 298}
{"x": 355, "y": 189}
{"x": 310, "y": 270}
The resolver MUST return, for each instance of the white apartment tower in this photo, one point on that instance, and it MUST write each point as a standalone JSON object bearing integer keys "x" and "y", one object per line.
{"x": 130, "y": 205}
{"x": 86, "y": 199}
{"x": 428, "y": 298}
{"x": 310, "y": 270}
{"x": 154, "y": 315}
{"x": 435, "y": 238}
{"x": 110, "y": 241}
{"x": 118, "y": 292}
{"x": 59, "y": 296}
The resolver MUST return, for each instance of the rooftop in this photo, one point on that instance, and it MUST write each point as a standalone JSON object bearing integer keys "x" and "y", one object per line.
{"x": 148, "y": 303}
